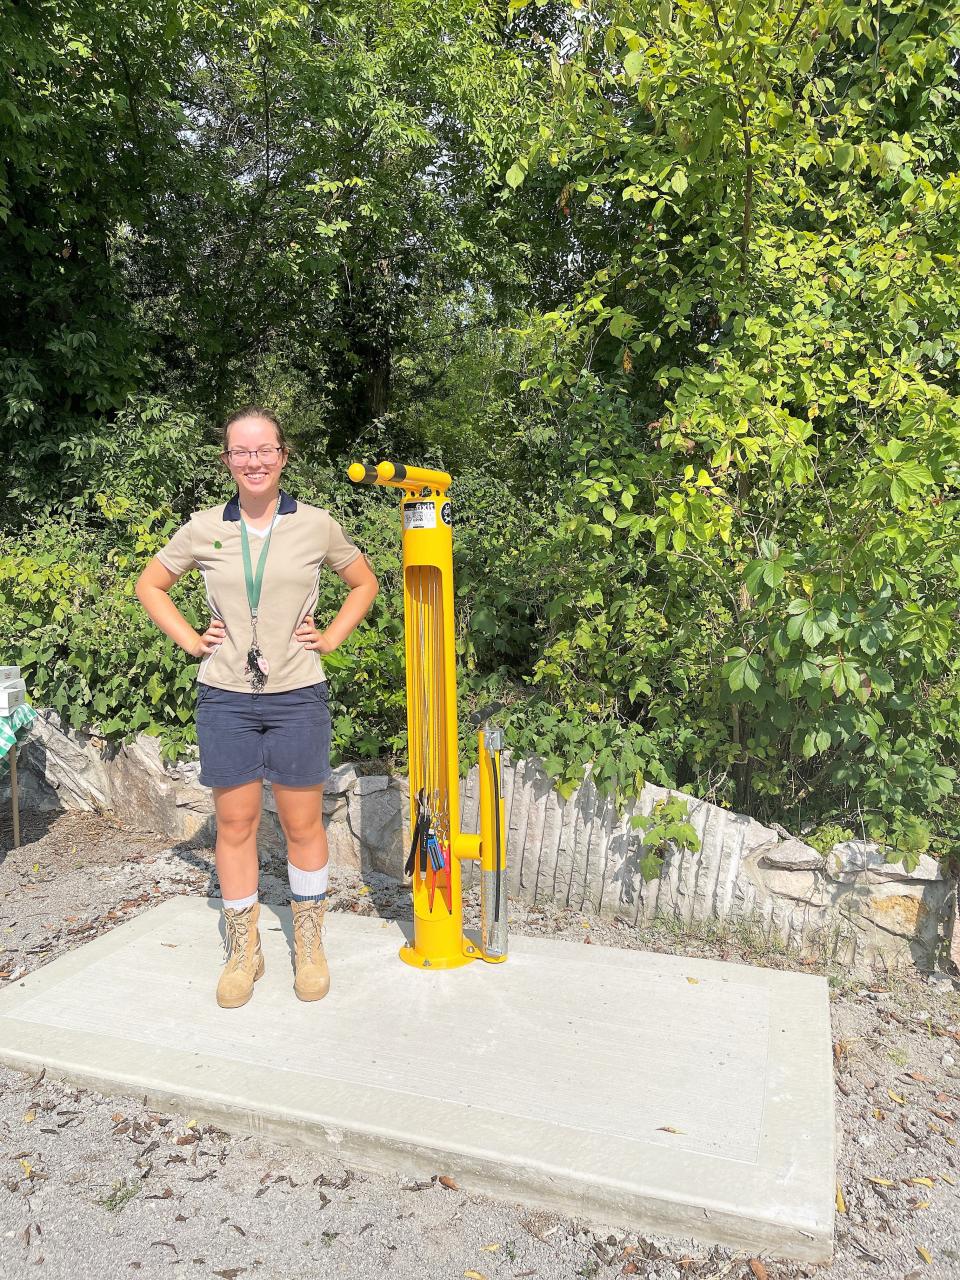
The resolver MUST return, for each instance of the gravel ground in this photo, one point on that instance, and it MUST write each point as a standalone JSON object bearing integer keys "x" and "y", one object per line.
{"x": 95, "y": 1185}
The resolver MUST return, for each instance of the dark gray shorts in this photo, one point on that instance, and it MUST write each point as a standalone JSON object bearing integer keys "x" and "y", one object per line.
{"x": 282, "y": 737}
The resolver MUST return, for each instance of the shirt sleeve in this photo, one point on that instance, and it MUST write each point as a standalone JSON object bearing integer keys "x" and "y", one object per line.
{"x": 177, "y": 555}
{"x": 340, "y": 550}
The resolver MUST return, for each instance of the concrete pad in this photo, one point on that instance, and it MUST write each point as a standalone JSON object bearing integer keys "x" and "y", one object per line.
{"x": 652, "y": 1092}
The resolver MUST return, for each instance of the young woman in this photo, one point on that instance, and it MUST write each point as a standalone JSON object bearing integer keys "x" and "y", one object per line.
{"x": 261, "y": 696}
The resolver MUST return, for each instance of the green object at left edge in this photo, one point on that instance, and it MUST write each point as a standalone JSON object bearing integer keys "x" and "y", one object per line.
{"x": 13, "y": 729}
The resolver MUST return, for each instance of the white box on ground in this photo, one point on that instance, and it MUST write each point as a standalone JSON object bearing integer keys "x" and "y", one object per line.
{"x": 12, "y": 695}
{"x": 9, "y": 674}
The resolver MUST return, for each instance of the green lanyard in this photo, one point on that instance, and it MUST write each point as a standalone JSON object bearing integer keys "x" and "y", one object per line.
{"x": 254, "y": 582}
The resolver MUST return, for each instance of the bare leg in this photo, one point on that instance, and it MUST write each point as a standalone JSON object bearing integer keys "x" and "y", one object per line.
{"x": 300, "y": 810}
{"x": 238, "y": 817}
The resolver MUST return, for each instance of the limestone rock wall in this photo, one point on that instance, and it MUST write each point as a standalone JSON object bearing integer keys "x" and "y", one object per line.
{"x": 851, "y": 906}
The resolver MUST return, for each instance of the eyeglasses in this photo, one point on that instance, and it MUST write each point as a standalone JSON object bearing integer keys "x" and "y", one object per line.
{"x": 267, "y": 453}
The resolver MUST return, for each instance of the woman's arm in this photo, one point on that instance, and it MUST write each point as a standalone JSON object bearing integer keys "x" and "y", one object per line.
{"x": 153, "y": 587}
{"x": 363, "y": 585}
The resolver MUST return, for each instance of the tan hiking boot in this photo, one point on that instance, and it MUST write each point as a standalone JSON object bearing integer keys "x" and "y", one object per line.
{"x": 244, "y": 957}
{"x": 313, "y": 977}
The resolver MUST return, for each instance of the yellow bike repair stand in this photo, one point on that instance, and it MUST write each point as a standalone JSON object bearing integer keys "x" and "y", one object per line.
{"x": 438, "y": 845}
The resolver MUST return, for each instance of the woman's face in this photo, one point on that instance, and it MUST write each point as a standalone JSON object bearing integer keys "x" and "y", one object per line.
{"x": 258, "y": 473}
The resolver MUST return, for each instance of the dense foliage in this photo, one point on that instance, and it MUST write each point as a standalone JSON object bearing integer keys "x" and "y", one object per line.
{"x": 756, "y": 566}
{"x": 672, "y": 288}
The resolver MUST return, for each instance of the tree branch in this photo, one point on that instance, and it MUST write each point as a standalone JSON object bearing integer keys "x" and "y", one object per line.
{"x": 801, "y": 9}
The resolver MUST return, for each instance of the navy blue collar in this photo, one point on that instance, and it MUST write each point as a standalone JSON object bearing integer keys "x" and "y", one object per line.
{"x": 232, "y": 510}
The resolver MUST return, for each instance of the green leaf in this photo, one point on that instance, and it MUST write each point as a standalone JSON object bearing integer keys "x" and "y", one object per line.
{"x": 734, "y": 673}
{"x": 634, "y": 63}
{"x": 650, "y": 865}
{"x": 753, "y": 575}
{"x": 813, "y": 633}
{"x": 620, "y": 323}
{"x": 751, "y": 675}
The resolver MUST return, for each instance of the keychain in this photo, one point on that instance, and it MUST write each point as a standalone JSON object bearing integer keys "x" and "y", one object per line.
{"x": 257, "y": 668}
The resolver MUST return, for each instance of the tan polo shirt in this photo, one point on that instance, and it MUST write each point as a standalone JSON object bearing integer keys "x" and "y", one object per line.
{"x": 304, "y": 540}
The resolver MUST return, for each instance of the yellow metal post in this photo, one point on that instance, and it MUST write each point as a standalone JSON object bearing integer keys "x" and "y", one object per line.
{"x": 439, "y": 942}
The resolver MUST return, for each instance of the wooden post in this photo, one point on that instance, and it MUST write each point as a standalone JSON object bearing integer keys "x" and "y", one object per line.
{"x": 14, "y": 796}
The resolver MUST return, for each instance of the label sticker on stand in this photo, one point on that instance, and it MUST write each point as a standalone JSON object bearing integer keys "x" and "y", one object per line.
{"x": 419, "y": 515}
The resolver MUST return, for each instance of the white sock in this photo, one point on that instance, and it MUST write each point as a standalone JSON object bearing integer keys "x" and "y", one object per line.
{"x": 240, "y": 904}
{"x": 307, "y": 885}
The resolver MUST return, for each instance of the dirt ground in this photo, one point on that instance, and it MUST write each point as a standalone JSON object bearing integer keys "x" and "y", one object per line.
{"x": 95, "y": 1185}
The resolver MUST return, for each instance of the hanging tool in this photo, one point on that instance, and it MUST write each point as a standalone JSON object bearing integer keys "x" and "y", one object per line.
{"x": 443, "y": 877}
{"x": 421, "y": 833}
{"x": 427, "y": 846}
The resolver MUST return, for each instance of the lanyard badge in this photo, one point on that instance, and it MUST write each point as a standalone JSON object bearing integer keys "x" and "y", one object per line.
{"x": 257, "y": 667}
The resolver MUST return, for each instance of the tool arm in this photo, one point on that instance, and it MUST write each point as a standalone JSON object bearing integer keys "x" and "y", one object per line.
{"x": 397, "y": 476}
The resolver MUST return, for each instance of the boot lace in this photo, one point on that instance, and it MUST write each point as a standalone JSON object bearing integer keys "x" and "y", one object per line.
{"x": 238, "y": 933}
{"x": 310, "y": 923}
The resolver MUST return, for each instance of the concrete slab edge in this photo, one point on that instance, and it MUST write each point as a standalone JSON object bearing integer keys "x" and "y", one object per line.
{"x": 606, "y": 1206}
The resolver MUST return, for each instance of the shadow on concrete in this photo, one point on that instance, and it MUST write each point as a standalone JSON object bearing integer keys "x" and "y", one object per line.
{"x": 283, "y": 923}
